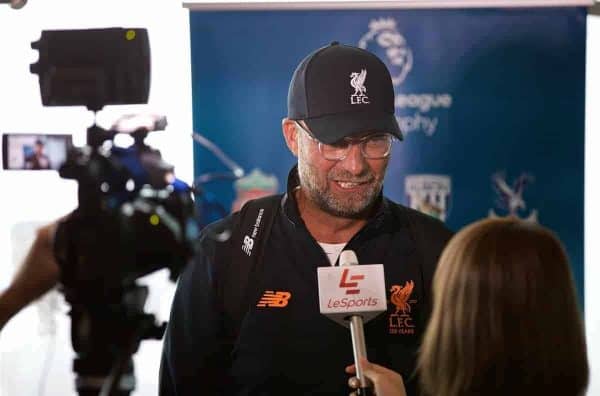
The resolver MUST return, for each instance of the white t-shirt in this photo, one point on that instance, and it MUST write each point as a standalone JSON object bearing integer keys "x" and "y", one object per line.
{"x": 332, "y": 250}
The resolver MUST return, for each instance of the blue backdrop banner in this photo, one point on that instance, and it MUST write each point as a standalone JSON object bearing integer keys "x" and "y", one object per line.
{"x": 491, "y": 102}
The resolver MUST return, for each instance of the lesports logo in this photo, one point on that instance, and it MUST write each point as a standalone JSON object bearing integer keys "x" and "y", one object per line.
{"x": 350, "y": 286}
{"x": 273, "y": 299}
{"x": 357, "y": 80}
{"x": 383, "y": 31}
{"x": 401, "y": 321}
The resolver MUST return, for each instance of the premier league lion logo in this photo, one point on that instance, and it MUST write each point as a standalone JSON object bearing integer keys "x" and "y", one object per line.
{"x": 384, "y": 39}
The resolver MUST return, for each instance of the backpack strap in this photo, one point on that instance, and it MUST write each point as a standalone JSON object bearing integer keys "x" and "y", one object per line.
{"x": 245, "y": 265}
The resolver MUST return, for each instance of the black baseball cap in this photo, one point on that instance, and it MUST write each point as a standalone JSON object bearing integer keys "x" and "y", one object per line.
{"x": 340, "y": 90}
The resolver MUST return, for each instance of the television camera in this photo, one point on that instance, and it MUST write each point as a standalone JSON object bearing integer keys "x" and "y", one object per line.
{"x": 133, "y": 216}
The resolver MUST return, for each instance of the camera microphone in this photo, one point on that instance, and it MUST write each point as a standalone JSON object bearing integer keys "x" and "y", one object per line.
{"x": 352, "y": 294}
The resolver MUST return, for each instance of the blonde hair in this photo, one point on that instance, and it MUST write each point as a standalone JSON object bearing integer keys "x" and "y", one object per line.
{"x": 505, "y": 319}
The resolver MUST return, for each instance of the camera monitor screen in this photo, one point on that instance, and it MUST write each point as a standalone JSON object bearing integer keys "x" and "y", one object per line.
{"x": 34, "y": 151}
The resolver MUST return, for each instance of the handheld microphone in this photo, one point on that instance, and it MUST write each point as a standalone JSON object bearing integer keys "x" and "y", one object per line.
{"x": 352, "y": 294}
{"x": 359, "y": 347}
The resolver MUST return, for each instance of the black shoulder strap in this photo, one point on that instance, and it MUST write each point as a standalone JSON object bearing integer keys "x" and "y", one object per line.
{"x": 245, "y": 266}
{"x": 416, "y": 229}
{"x": 430, "y": 236}
{"x": 417, "y": 234}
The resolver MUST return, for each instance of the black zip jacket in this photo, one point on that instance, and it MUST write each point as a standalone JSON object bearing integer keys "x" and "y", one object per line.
{"x": 294, "y": 350}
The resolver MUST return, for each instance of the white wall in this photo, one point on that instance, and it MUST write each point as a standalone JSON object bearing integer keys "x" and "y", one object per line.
{"x": 37, "y": 340}
{"x": 592, "y": 198}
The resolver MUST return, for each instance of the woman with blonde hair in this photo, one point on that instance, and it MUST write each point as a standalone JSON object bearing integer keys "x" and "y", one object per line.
{"x": 505, "y": 319}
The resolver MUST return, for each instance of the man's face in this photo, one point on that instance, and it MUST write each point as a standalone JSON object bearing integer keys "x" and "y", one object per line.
{"x": 39, "y": 148}
{"x": 344, "y": 188}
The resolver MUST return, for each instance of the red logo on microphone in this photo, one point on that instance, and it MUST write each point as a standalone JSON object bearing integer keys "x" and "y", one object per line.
{"x": 350, "y": 285}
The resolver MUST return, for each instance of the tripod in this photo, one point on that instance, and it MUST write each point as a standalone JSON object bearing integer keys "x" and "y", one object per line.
{"x": 105, "y": 336}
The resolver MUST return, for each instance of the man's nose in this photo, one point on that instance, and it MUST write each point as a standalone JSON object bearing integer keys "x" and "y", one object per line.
{"x": 355, "y": 161}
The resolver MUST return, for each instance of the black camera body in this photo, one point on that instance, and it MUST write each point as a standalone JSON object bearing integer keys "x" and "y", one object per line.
{"x": 133, "y": 218}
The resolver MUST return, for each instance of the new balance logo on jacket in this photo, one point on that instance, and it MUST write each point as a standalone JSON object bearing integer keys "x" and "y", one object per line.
{"x": 273, "y": 299}
{"x": 248, "y": 245}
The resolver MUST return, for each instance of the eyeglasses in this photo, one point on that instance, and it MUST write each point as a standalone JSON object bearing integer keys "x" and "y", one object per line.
{"x": 376, "y": 146}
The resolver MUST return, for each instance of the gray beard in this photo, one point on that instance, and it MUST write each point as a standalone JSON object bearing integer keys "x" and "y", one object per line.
{"x": 352, "y": 206}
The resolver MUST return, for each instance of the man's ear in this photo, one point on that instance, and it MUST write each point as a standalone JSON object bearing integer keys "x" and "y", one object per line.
{"x": 290, "y": 133}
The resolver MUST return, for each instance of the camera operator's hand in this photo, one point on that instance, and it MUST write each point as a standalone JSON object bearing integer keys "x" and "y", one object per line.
{"x": 385, "y": 381}
{"x": 38, "y": 273}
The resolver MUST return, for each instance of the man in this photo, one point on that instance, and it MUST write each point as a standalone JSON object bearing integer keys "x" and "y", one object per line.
{"x": 37, "y": 160}
{"x": 340, "y": 126}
